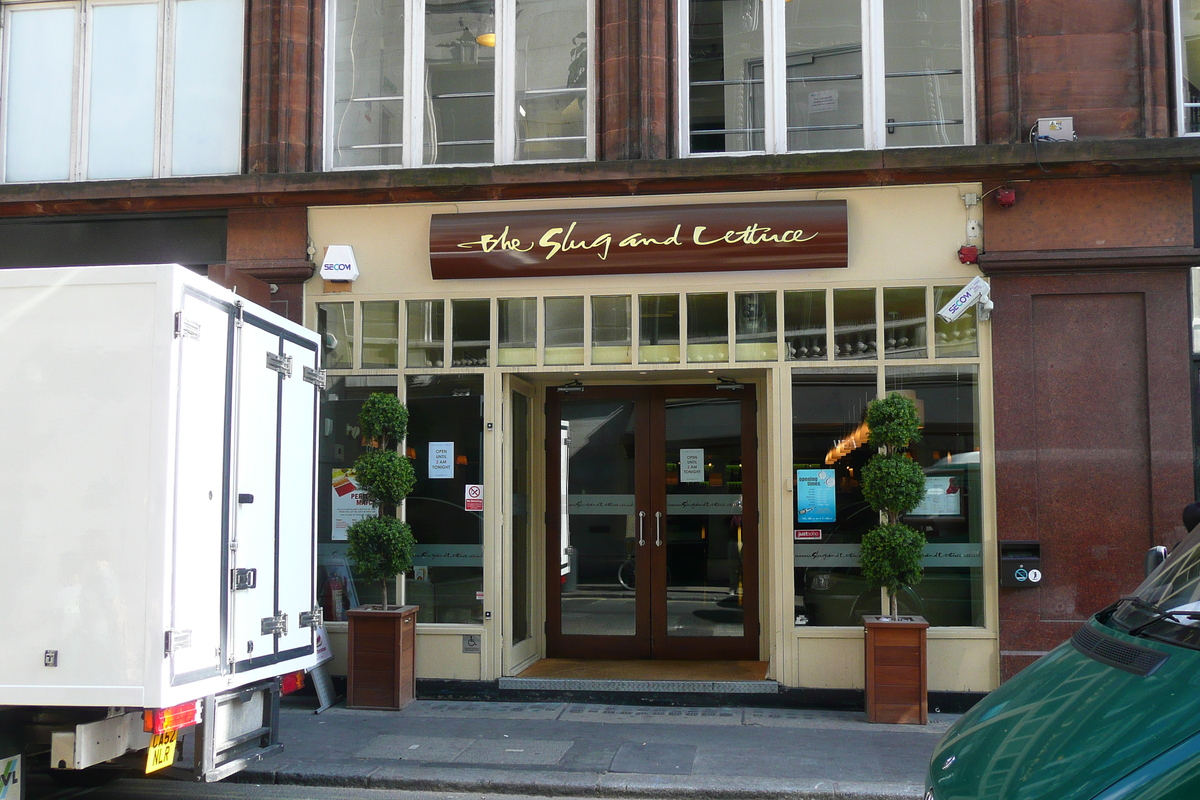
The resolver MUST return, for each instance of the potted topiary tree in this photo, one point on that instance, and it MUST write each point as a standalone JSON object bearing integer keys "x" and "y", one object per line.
{"x": 893, "y": 484}
{"x": 381, "y": 637}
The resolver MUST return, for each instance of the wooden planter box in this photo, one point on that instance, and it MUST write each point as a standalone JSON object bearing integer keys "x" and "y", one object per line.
{"x": 381, "y": 657}
{"x": 897, "y": 672}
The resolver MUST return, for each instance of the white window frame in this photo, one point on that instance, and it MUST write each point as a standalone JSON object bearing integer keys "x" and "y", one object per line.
{"x": 775, "y": 86}
{"x": 81, "y": 82}
{"x": 1181, "y": 103}
{"x": 504, "y": 104}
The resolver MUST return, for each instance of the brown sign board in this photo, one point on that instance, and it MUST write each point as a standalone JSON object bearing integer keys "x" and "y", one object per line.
{"x": 646, "y": 239}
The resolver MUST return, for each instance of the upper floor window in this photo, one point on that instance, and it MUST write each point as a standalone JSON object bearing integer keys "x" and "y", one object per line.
{"x": 423, "y": 82}
{"x": 104, "y": 90}
{"x": 792, "y": 75}
{"x": 1187, "y": 57}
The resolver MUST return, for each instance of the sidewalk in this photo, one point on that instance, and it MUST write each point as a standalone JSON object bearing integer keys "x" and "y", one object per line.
{"x": 599, "y": 750}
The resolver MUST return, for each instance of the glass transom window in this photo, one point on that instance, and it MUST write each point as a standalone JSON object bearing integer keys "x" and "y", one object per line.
{"x": 498, "y": 81}
{"x": 800, "y": 75}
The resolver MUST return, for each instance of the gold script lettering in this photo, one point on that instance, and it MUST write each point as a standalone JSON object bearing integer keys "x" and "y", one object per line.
{"x": 639, "y": 240}
{"x": 602, "y": 242}
{"x": 487, "y": 242}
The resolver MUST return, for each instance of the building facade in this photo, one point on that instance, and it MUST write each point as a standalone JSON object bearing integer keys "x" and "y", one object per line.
{"x": 637, "y": 268}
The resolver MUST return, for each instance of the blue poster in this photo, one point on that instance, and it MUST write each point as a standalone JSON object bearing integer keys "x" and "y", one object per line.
{"x": 816, "y": 495}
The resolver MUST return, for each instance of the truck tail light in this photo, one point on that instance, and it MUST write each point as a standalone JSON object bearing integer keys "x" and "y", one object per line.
{"x": 292, "y": 682}
{"x": 161, "y": 720}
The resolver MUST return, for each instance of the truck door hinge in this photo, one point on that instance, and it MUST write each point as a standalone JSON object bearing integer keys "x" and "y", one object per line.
{"x": 243, "y": 578}
{"x": 185, "y": 327}
{"x": 239, "y": 314}
{"x": 176, "y": 640}
{"x": 281, "y": 364}
{"x": 313, "y": 619}
{"x": 315, "y": 376}
{"x": 276, "y": 625}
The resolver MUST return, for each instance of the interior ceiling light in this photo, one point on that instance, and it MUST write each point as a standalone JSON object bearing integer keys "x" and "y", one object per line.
{"x": 486, "y": 40}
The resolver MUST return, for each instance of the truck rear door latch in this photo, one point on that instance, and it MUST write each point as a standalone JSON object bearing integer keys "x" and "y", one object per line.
{"x": 275, "y": 626}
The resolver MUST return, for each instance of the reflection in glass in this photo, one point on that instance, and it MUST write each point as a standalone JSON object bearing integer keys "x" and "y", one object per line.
{"x": 338, "y": 586}
{"x": 829, "y": 445}
{"x": 368, "y": 83}
{"x": 904, "y": 323}
{"x": 600, "y": 452}
{"x": 335, "y": 323}
{"x": 518, "y": 331}
{"x": 708, "y": 327}
{"x": 564, "y": 330}
{"x": 824, "y": 74}
{"x": 854, "y": 334}
{"x": 552, "y": 79}
{"x": 725, "y": 75}
{"x": 612, "y": 333}
{"x": 804, "y": 325}
{"x": 446, "y": 408}
{"x": 471, "y": 338}
{"x": 426, "y": 333}
{"x": 520, "y": 509}
{"x": 958, "y": 339}
{"x": 756, "y": 326}
{"x": 1189, "y": 34}
{"x": 703, "y": 526}
{"x": 658, "y": 331}
{"x": 460, "y": 76}
{"x": 381, "y": 335}
{"x": 951, "y": 515}
{"x": 924, "y": 65}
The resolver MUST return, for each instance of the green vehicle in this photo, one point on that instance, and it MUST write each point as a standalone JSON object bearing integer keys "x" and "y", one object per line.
{"x": 1112, "y": 714}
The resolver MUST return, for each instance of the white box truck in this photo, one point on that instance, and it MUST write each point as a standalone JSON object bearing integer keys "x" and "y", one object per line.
{"x": 157, "y": 487}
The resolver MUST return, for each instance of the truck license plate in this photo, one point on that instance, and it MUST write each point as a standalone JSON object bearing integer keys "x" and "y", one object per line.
{"x": 162, "y": 751}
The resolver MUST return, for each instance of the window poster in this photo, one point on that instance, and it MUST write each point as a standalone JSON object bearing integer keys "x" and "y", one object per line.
{"x": 441, "y": 459}
{"x": 816, "y": 495}
{"x": 691, "y": 465}
{"x": 349, "y": 503}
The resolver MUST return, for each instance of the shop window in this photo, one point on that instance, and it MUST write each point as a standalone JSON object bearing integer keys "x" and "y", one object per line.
{"x": 829, "y": 441}
{"x": 804, "y": 325}
{"x": 756, "y": 326}
{"x": 518, "y": 331}
{"x": 339, "y": 503}
{"x": 425, "y": 91}
{"x": 96, "y": 91}
{"x": 854, "y": 334}
{"x": 381, "y": 335}
{"x": 707, "y": 327}
{"x": 335, "y": 323}
{"x": 845, "y": 74}
{"x": 658, "y": 329}
{"x": 1187, "y": 69}
{"x": 426, "y": 333}
{"x": 958, "y": 339}
{"x": 612, "y": 332}
{"x": 520, "y": 510}
{"x": 564, "y": 330}
{"x": 951, "y": 516}
{"x": 445, "y": 441}
{"x": 904, "y": 323}
{"x": 472, "y": 335}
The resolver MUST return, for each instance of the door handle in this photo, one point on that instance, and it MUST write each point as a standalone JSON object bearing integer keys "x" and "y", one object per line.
{"x": 658, "y": 529}
{"x": 641, "y": 535}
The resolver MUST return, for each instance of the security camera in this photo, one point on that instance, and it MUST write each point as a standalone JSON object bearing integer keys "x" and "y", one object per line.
{"x": 975, "y": 292}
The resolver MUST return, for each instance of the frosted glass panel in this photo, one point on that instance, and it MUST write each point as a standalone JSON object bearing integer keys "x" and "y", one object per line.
{"x": 207, "y": 129}
{"x": 38, "y": 126}
{"x": 121, "y": 108}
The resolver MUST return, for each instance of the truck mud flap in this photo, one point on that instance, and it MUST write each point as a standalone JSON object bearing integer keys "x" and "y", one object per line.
{"x": 239, "y": 728}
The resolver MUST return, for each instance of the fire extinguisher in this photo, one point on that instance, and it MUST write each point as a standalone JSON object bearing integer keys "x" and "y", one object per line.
{"x": 335, "y": 598}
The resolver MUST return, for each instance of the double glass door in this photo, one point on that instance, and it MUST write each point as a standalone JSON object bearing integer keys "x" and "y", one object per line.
{"x": 653, "y": 549}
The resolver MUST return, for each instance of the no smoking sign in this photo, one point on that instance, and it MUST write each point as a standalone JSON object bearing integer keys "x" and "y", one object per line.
{"x": 473, "y": 497}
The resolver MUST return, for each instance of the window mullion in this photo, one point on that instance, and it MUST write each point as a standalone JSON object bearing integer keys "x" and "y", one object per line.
{"x": 166, "y": 82}
{"x": 683, "y": 79}
{"x": 414, "y": 85}
{"x": 775, "y": 78}
{"x": 505, "y": 106}
{"x": 874, "y": 90}
{"x": 79, "y": 142}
